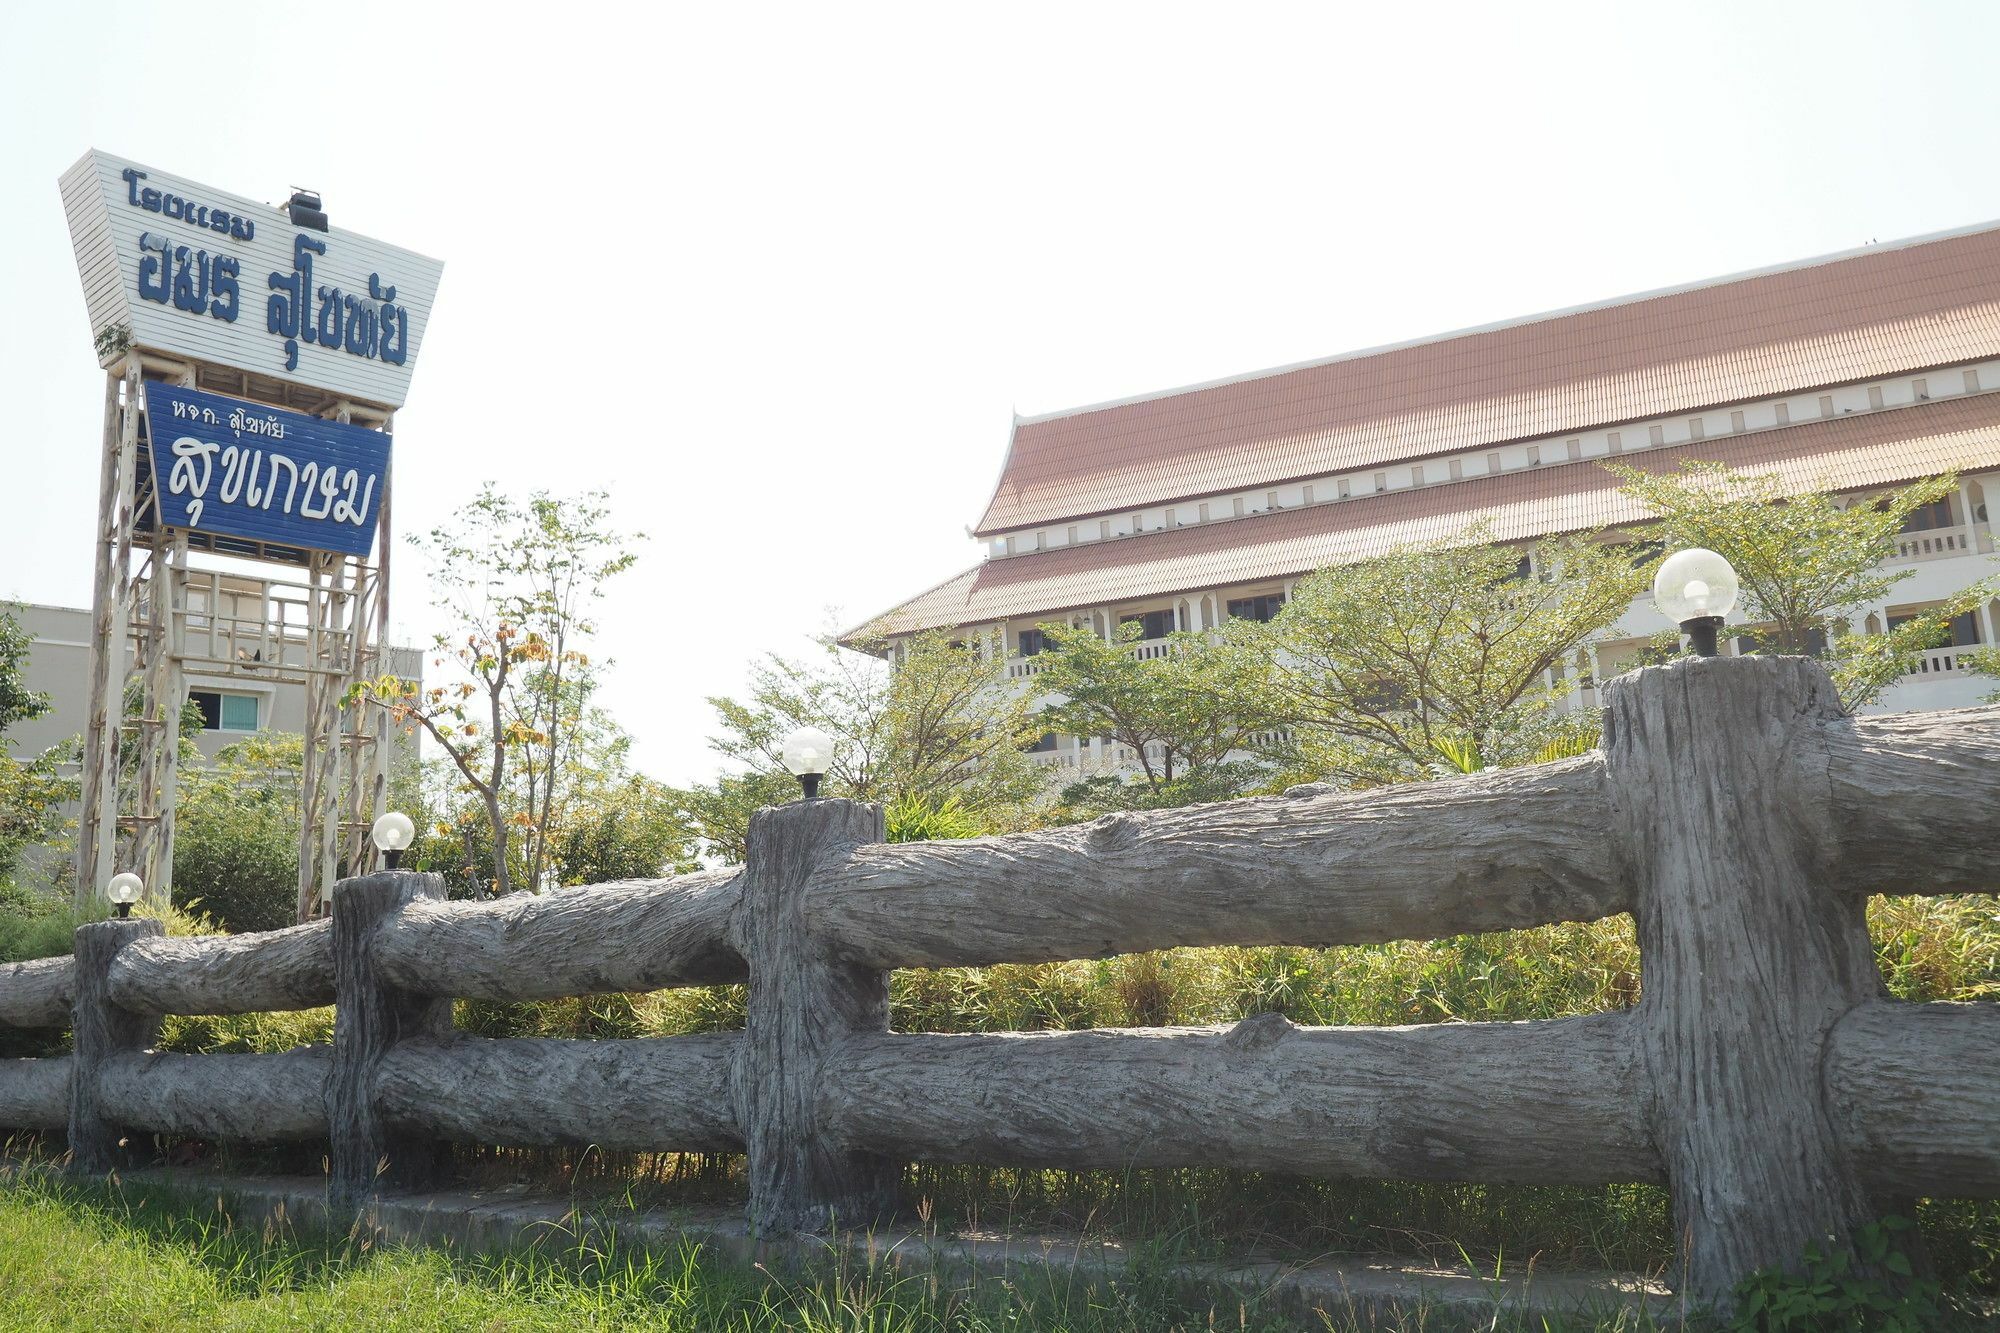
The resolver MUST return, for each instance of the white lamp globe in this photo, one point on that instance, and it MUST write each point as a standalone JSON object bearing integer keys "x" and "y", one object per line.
{"x": 394, "y": 831}
{"x": 125, "y": 889}
{"x": 1694, "y": 584}
{"x": 808, "y": 751}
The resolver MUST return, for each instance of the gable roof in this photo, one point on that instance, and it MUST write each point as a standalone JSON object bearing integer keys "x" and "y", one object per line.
{"x": 1845, "y": 453}
{"x": 1933, "y": 301}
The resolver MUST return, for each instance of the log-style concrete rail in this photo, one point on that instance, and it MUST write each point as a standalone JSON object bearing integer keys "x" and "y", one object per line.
{"x": 1556, "y": 1102}
{"x": 669, "y": 1095}
{"x": 34, "y": 1094}
{"x": 1915, "y": 799}
{"x": 37, "y": 994}
{"x": 238, "y": 1098}
{"x": 1494, "y": 851}
{"x": 638, "y": 935}
{"x": 227, "y": 974}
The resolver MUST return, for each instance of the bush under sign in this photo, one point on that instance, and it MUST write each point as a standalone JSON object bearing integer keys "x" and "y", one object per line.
{"x": 225, "y": 466}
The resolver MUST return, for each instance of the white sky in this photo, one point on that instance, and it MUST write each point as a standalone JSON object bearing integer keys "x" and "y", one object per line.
{"x": 776, "y": 277}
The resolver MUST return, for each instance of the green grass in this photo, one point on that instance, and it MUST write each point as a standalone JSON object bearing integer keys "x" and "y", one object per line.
{"x": 77, "y": 1256}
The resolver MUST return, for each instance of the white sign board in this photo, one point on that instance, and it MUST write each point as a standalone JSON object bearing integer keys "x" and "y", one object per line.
{"x": 197, "y": 273}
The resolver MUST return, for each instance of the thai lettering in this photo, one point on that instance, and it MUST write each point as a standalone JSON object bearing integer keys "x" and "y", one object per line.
{"x": 250, "y": 477}
{"x": 185, "y": 210}
{"x": 191, "y": 280}
{"x": 246, "y": 423}
{"x": 373, "y": 327}
{"x": 193, "y": 461}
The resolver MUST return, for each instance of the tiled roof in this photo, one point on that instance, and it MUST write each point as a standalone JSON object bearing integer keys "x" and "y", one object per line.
{"x": 1846, "y": 453}
{"x": 1882, "y": 311}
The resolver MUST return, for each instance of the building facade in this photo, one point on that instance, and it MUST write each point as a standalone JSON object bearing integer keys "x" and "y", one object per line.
{"x": 1851, "y": 373}
{"x": 233, "y": 706}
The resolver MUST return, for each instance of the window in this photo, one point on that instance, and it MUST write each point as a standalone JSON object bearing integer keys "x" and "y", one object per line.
{"x": 1072, "y": 534}
{"x": 1153, "y": 624}
{"x": 1043, "y": 746}
{"x": 1271, "y": 500}
{"x": 1962, "y": 632}
{"x": 1575, "y": 448}
{"x": 1307, "y": 494}
{"x": 1921, "y": 388}
{"x": 1736, "y": 423}
{"x": 1642, "y": 551}
{"x": 1236, "y": 506}
{"x": 1345, "y": 491}
{"x": 1697, "y": 428}
{"x": 1656, "y": 434}
{"x": 1456, "y": 469}
{"x": 1033, "y": 643}
{"x": 1972, "y": 381}
{"x": 1826, "y": 405}
{"x": 1492, "y": 464}
{"x": 1203, "y": 512}
{"x": 1784, "y": 414}
{"x": 1381, "y": 481}
{"x": 225, "y": 712}
{"x": 1417, "y": 475}
{"x": 1875, "y": 395}
{"x": 1936, "y": 514}
{"x": 1534, "y": 455}
{"x": 1616, "y": 442}
{"x": 1169, "y": 521}
{"x": 1104, "y": 529}
{"x": 1263, "y": 607}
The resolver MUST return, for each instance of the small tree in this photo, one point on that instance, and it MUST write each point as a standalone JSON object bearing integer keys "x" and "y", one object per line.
{"x": 943, "y": 723}
{"x": 32, "y": 792}
{"x": 1448, "y": 655}
{"x": 1808, "y": 561}
{"x": 1183, "y": 712}
{"x": 519, "y": 580}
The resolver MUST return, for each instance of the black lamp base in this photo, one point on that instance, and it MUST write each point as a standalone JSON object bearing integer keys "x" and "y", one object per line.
{"x": 392, "y": 860}
{"x": 124, "y": 911}
{"x": 1701, "y": 632}
{"x": 810, "y": 781}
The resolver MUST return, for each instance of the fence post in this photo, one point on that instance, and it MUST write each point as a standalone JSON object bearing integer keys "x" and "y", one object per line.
{"x": 370, "y": 1016}
{"x": 99, "y": 1030}
{"x": 1720, "y": 792}
{"x": 803, "y": 1002}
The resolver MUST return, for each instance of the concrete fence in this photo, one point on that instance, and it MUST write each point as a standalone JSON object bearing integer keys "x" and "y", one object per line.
{"x": 1764, "y": 1077}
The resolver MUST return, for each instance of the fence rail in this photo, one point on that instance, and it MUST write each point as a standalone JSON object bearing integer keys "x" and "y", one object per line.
{"x": 1733, "y": 811}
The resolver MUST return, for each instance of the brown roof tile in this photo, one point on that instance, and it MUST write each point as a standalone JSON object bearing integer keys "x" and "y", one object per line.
{"x": 1846, "y": 453}
{"x": 1883, "y": 311}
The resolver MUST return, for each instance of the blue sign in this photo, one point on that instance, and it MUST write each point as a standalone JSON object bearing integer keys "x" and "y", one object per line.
{"x": 225, "y": 466}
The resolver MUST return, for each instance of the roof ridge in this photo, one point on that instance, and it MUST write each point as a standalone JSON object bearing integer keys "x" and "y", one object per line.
{"x": 1519, "y": 321}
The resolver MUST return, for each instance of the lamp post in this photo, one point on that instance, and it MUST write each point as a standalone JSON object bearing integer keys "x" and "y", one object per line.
{"x": 808, "y": 751}
{"x": 1696, "y": 588}
{"x": 124, "y": 890}
{"x": 393, "y": 833}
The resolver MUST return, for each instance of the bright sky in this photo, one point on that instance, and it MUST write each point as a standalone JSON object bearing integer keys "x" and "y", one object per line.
{"x": 776, "y": 277}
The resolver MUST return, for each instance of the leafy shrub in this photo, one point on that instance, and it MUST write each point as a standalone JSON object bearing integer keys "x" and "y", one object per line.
{"x": 1833, "y": 1295}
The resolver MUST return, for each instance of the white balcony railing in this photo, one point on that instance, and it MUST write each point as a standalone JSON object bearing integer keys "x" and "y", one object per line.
{"x": 1935, "y": 544}
{"x": 1148, "y": 649}
{"x": 1942, "y": 661}
{"x": 1020, "y": 668}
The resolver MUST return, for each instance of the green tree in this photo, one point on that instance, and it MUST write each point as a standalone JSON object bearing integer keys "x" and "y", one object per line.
{"x": 942, "y": 723}
{"x": 1445, "y": 656}
{"x": 236, "y": 833}
{"x": 32, "y": 791}
{"x": 518, "y": 580}
{"x": 1808, "y": 562}
{"x": 1183, "y": 711}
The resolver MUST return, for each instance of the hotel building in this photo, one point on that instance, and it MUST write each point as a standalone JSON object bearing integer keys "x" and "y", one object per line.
{"x": 1854, "y": 373}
